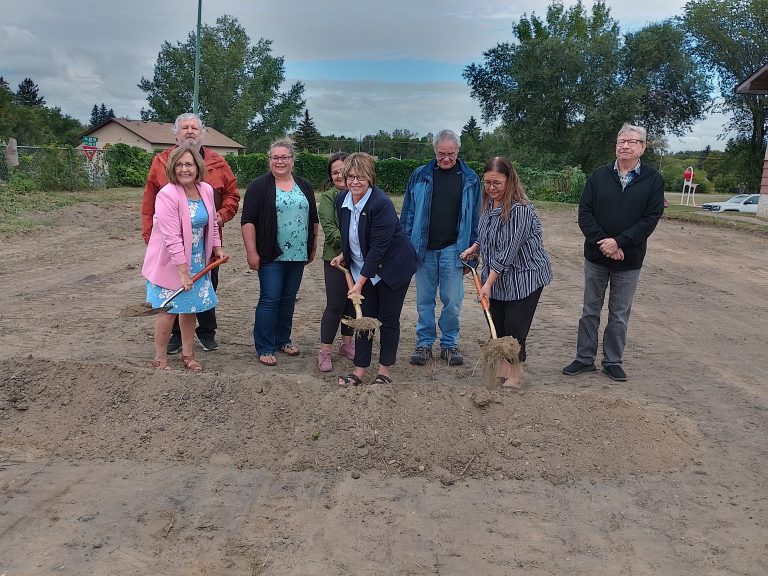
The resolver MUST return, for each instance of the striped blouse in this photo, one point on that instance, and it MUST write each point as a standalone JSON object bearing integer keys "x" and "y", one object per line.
{"x": 514, "y": 249}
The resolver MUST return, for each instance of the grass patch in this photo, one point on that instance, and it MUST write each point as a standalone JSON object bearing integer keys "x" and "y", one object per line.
{"x": 21, "y": 211}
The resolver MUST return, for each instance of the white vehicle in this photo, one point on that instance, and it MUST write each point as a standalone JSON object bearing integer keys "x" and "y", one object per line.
{"x": 740, "y": 203}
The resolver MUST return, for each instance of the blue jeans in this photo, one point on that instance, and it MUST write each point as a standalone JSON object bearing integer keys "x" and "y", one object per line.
{"x": 278, "y": 284}
{"x": 439, "y": 270}
{"x": 623, "y": 284}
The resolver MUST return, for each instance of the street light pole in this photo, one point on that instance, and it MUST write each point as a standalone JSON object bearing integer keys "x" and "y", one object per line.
{"x": 196, "y": 96}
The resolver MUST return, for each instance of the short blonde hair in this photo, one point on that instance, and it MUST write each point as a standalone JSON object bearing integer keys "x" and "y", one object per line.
{"x": 176, "y": 153}
{"x": 363, "y": 164}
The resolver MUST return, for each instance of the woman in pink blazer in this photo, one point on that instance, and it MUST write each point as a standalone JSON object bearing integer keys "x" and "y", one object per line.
{"x": 184, "y": 237}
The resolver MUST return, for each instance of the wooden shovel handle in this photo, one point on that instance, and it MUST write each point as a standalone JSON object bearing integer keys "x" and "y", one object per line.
{"x": 483, "y": 300}
{"x": 356, "y": 299}
{"x": 211, "y": 266}
{"x": 347, "y": 275}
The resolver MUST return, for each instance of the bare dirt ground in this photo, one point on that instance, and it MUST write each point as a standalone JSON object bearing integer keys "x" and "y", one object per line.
{"x": 108, "y": 467}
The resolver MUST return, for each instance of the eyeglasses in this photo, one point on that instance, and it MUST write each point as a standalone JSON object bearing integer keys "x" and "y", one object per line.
{"x": 629, "y": 142}
{"x": 355, "y": 178}
{"x": 280, "y": 158}
{"x": 446, "y": 155}
{"x": 336, "y": 173}
{"x": 492, "y": 184}
{"x": 184, "y": 166}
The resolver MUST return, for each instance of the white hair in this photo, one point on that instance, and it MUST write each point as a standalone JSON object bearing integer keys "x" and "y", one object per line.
{"x": 627, "y": 127}
{"x": 448, "y": 135}
{"x": 188, "y": 116}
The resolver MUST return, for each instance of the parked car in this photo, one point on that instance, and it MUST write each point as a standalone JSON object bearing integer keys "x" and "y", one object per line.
{"x": 739, "y": 203}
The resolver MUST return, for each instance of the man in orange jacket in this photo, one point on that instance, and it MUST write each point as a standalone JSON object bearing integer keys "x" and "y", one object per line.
{"x": 188, "y": 130}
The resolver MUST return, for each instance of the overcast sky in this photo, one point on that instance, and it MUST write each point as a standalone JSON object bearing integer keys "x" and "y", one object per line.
{"x": 365, "y": 66}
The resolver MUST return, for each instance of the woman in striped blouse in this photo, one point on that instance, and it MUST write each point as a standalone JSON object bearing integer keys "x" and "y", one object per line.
{"x": 515, "y": 264}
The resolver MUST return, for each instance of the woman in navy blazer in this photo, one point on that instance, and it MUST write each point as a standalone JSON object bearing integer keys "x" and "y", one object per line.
{"x": 381, "y": 259}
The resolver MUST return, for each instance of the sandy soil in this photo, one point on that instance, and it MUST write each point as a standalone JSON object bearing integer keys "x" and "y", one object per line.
{"x": 108, "y": 467}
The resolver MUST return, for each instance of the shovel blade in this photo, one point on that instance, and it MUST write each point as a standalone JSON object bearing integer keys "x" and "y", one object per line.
{"x": 144, "y": 309}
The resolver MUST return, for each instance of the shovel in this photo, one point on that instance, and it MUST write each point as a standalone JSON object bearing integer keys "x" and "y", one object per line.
{"x": 360, "y": 323}
{"x": 145, "y": 308}
{"x": 496, "y": 349}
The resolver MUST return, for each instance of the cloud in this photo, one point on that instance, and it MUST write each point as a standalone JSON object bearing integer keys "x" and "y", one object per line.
{"x": 366, "y": 68}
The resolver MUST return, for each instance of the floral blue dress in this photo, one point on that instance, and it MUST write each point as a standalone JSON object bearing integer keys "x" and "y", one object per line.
{"x": 201, "y": 297}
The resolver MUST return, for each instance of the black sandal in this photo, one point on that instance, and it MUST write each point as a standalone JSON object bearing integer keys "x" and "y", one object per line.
{"x": 350, "y": 378}
{"x": 382, "y": 379}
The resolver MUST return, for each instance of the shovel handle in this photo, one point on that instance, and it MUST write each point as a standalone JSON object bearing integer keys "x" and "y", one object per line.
{"x": 355, "y": 299}
{"x": 347, "y": 275}
{"x": 196, "y": 277}
{"x": 483, "y": 300}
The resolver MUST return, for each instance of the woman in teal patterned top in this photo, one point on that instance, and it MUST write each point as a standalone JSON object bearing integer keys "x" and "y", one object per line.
{"x": 279, "y": 225}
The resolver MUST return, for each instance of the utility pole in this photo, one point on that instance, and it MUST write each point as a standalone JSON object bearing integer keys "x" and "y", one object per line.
{"x": 196, "y": 97}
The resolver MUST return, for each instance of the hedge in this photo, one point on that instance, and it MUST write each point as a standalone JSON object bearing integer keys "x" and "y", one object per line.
{"x": 128, "y": 166}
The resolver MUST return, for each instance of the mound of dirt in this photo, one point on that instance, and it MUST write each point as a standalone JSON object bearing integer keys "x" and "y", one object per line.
{"x": 293, "y": 422}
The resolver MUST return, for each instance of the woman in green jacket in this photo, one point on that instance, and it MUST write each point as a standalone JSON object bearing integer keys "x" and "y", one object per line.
{"x": 337, "y": 304}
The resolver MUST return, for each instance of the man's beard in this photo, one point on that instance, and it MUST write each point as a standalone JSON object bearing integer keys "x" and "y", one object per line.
{"x": 190, "y": 143}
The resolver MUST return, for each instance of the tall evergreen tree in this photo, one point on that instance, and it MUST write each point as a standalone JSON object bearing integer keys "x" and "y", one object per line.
{"x": 307, "y": 135}
{"x": 470, "y": 140}
{"x": 100, "y": 114}
{"x": 27, "y": 94}
{"x": 95, "y": 116}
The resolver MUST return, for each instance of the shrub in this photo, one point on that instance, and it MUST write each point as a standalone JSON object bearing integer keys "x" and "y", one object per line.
{"x": 128, "y": 165}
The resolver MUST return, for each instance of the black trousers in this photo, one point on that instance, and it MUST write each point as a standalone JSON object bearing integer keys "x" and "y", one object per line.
{"x": 206, "y": 321}
{"x": 385, "y": 304}
{"x": 514, "y": 318}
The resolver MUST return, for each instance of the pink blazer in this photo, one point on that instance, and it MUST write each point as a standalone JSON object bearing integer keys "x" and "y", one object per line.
{"x": 170, "y": 243}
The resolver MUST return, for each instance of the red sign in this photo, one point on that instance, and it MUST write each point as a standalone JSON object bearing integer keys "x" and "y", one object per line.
{"x": 90, "y": 151}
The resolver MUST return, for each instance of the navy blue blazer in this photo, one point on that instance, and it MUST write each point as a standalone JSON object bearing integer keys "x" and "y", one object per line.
{"x": 386, "y": 249}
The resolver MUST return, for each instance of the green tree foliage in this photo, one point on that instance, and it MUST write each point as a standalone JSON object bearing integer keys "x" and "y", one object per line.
{"x": 307, "y": 136}
{"x": 471, "y": 137}
{"x": 128, "y": 165}
{"x": 569, "y": 81}
{"x": 731, "y": 38}
{"x": 239, "y": 85}
{"x": 34, "y": 125}
{"x": 27, "y": 94}
{"x": 100, "y": 114}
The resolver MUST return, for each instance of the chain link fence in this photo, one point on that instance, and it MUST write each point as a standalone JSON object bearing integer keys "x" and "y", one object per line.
{"x": 54, "y": 168}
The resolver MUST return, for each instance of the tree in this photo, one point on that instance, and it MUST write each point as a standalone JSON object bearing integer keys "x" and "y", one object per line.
{"x": 239, "y": 85}
{"x": 470, "y": 140}
{"x": 731, "y": 38}
{"x": 307, "y": 135}
{"x": 100, "y": 114}
{"x": 27, "y": 94}
{"x": 568, "y": 83}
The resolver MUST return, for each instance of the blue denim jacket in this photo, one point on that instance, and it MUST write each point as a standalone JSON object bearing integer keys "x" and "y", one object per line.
{"x": 417, "y": 206}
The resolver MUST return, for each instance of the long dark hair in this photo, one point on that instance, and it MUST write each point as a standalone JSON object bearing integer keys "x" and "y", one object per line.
{"x": 337, "y": 156}
{"x": 513, "y": 191}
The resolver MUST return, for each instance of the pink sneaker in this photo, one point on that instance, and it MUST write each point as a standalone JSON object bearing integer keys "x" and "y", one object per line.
{"x": 347, "y": 350}
{"x": 324, "y": 363}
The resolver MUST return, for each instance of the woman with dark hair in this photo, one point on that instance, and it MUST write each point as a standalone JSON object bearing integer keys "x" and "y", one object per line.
{"x": 515, "y": 264}
{"x": 279, "y": 226}
{"x": 184, "y": 236}
{"x": 336, "y": 302}
{"x": 380, "y": 258}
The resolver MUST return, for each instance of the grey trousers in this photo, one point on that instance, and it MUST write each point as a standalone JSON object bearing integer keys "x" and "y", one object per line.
{"x": 622, "y": 292}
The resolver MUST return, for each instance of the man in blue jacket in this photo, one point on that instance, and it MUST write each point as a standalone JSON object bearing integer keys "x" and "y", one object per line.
{"x": 620, "y": 207}
{"x": 440, "y": 213}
